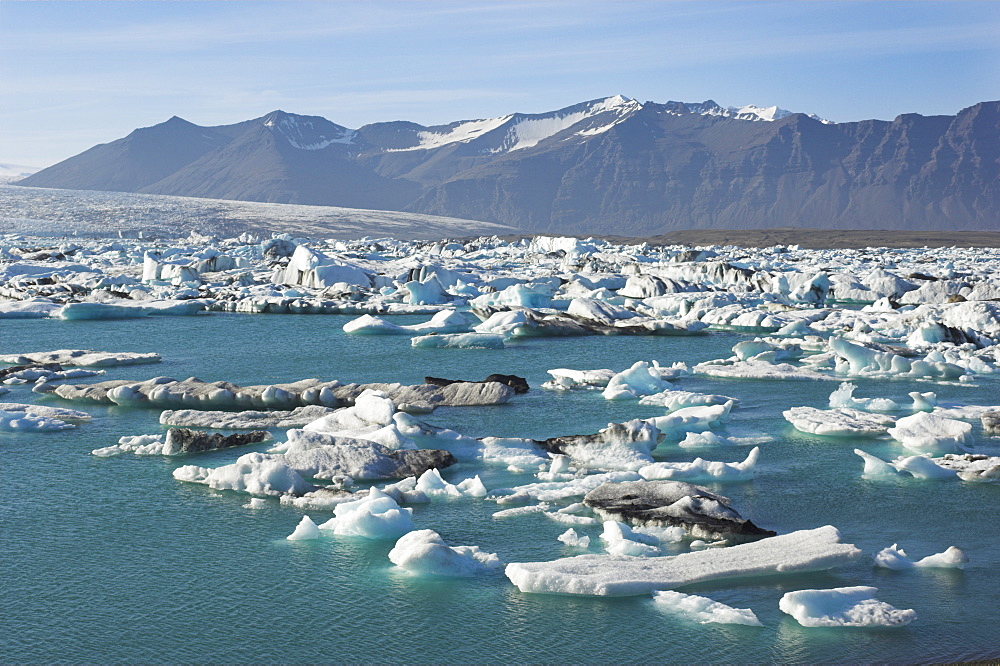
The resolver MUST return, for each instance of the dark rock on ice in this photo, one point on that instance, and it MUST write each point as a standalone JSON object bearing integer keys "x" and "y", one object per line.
{"x": 185, "y": 440}
{"x": 673, "y": 503}
{"x": 519, "y": 384}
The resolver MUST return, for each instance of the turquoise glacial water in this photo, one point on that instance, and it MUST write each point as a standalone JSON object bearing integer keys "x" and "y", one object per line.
{"x": 112, "y": 560}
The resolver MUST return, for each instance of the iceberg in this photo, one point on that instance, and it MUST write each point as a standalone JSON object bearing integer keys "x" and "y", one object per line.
{"x": 376, "y": 516}
{"x": 574, "y": 540}
{"x": 893, "y": 557}
{"x": 838, "y": 422}
{"x": 424, "y": 552}
{"x": 929, "y": 433}
{"x": 254, "y": 473}
{"x": 703, "y": 610}
{"x": 843, "y": 607}
{"x": 306, "y": 529}
{"x": 21, "y": 421}
{"x": 459, "y": 341}
{"x": 619, "y": 575}
{"x": 702, "y": 471}
{"x": 701, "y": 512}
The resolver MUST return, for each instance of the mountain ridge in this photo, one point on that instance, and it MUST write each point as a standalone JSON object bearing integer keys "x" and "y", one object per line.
{"x": 611, "y": 165}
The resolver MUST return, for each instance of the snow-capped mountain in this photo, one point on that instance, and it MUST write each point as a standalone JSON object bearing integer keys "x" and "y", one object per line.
{"x": 611, "y": 165}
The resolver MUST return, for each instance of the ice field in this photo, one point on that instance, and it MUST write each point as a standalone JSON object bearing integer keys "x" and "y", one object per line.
{"x": 755, "y": 377}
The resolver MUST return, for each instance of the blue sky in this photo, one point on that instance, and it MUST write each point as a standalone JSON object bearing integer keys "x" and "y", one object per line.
{"x": 74, "y": 74}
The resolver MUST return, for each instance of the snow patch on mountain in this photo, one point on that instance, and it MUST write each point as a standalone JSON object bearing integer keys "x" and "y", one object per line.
{"x": 530, "y": 132}
{"x": 462, "y": 132}
{"x": 304, "y": 133}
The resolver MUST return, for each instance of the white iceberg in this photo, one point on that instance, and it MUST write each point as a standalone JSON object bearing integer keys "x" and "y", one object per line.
{"x": 254, "y": 473}
{"x": 574, "y": 540}
{"x": 703, "y": 610}
{"x": 21, "y": 421}
{"x": 894, "y": 557}
{"x": 929, "y": 433}
{"x": 376, "y": 516}
{"x": 610, "y": 575}
{"x": 425, "y": 552}
{"x": 459, "y": 341}
{"x": 843, "y": 607}
{"x": 838, "y": 422}
{"x": 703, "y": 471}
{"x": 306, "y": 529}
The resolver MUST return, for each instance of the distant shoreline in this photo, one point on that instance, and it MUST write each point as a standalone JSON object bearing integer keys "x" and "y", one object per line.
{"x": 817, "y": 239}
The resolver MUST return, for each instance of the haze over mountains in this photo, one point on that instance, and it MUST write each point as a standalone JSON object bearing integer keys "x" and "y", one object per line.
{"x": 608, "y": 166}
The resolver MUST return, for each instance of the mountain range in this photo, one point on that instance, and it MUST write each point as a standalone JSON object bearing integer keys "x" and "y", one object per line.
{"x": 607, "y": 166}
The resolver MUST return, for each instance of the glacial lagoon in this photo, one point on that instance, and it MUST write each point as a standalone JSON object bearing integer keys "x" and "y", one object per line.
{"x": 113, "y": 559}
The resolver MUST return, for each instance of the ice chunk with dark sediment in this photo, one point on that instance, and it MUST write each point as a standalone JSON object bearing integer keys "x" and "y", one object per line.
{"x": 324, "y": 456}
{"x": 610, "y": 575}
{"x": 193, "y": 393}
{"x": 701, "y": 512}
{"x": 245, "y": 420}
{"x": 626, "y": 445}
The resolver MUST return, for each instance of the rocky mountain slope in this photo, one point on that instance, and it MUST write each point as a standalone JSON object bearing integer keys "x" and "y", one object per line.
{"x": 611, "y": 166}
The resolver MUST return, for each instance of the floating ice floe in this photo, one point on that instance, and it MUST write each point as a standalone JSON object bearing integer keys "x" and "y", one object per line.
{"x": 641, "y": 379}
{"x": 254, "y": 473}
{"x": 893, "y": 557}
{"x": 691, "y": 419}
{"x": 459, "y": 341}
{"x": 620, "y": 539}
{"x": 21, "y": 421}
{"x": 376, "y": 516}
{"x": 554, "y": 491}
{"x": 859, "y": 360}
{"x": 703, "y": 610}
{"x": 920, "y": 467}
{"x": 703, "y": 471}
{"x": 668, "y": 503}
{"x": 843, "y": 607}
{"x": 621, "y": 575}
{"x": 82, "y": 357}
{"x": 129, "y": 309}
{"x": 179, "y": 441}
{"x": 838, "y": 422}
{"x": 759, "y": 370}
{"x": 574, "y": 540}
{"x": 626, "y": 446}
{"x": 673, "y": 400}
{"x": 843, "y": 397}
{"x": 45, "y": 411}
{"x": 323, "y": 456}
{"x": 425, "y": 552}
{"x": 564, "y": 379}
{"x": 431, "y": 483}
{"x": 194, "y": 393}
{"x": 245, "y": 420}
{"x": 928, "y": 433}
{"x": 446, "y": 321}
{"x": 306, "y": 529}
